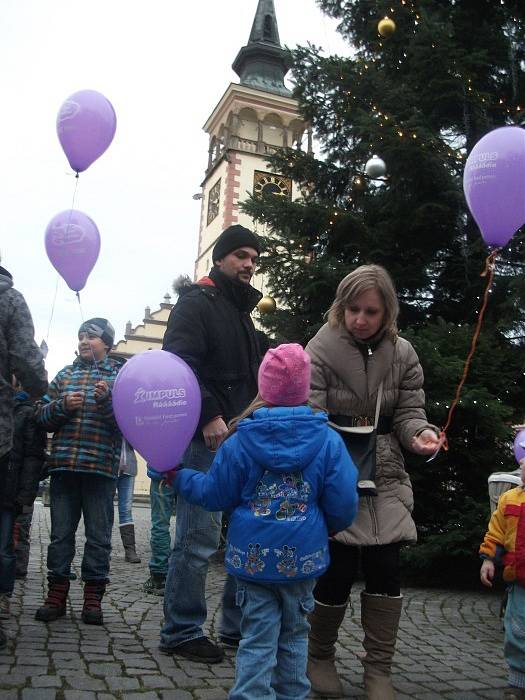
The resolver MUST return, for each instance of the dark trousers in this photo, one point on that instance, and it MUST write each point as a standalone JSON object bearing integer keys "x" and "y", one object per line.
{"x": 380, "y": 566}
{"x": 22, "y": 531}
{"x": 75, "y": 494}
{"x": 7, "y": 554}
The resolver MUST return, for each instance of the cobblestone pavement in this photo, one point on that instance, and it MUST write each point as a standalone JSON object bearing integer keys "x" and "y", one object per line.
{"x": 450, "y": 643}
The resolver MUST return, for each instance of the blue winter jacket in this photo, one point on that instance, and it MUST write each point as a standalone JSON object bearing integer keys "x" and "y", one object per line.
{"x": 289, "y": 481}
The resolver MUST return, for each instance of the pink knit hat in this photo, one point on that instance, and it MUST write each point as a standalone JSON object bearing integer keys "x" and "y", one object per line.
{"x": 284, "y": 376}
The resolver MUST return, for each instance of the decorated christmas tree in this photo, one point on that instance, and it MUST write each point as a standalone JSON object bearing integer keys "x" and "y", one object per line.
{"x": 395, "y": 122}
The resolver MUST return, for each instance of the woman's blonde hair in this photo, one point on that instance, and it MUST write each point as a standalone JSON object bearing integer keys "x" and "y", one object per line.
{"x": 361, "y": 280}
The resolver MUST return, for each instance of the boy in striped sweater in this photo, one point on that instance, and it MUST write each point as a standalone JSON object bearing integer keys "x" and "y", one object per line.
{"x": 83, "y": 464}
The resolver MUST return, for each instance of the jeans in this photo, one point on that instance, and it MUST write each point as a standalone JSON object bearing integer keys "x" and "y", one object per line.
{"x": 196, "y": 539}
{"x": 162, "y": 500}
{"x": 7, "y": 552}
{"x": 125, "y": 484}
{"x": 514, "y": 648}
{"x": 74, "y": 494}
{"x": 272, "y": 655}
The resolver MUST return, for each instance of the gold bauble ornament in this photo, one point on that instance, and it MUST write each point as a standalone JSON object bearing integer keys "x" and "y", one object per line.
{"x": 386, "y": 27}
{"x": 267, "y": 305}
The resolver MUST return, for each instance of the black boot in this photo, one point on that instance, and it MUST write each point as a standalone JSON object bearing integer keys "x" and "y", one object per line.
{"x": 127, "y": 533}
{"x": 55, "y": 603}
{"x": 3, "y": 638}
{"x": 92, "y": 610}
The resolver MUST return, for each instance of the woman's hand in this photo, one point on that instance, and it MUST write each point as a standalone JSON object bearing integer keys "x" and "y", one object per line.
{"x": 426, "y": 443}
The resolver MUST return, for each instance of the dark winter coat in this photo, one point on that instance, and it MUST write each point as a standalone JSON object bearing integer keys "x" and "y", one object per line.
{"x": 19, "y": 354}
{"x": 26, "y": 460}
{"x": 210, "y": 328}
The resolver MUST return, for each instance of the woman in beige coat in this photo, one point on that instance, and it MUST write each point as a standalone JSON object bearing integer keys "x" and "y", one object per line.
{"x": 353, "y": 355}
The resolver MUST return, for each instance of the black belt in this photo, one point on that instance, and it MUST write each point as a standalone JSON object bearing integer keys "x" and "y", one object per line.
{"x": 384, "y": 424}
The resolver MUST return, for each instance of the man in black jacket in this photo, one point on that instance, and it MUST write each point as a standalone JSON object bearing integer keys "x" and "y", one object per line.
{"x": 211, "y": 329}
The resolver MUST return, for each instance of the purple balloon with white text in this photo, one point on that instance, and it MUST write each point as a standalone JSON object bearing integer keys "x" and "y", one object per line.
{"x": 157, "y": 405}
{"x": 72, "y": 245}
{"x": 86, "y": 124}
{"x": 494, "y": 184}
{"x": 519, "y": 446}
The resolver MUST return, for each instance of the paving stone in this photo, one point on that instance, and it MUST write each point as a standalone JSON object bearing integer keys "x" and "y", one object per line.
{"x": 157, "y": 682}
{"x": 122, "y": 683}
{"x": 39, "y": 694}
{"x": 47, "y": 682}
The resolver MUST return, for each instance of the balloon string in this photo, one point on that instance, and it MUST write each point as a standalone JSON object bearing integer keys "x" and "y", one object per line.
{"x": 52, "y": 310}
{"x": 92, "y": 353}
{"x": 490, "y": 266}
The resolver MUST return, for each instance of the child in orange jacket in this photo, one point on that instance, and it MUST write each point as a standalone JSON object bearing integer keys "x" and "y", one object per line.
{"x": 505, "y": 543}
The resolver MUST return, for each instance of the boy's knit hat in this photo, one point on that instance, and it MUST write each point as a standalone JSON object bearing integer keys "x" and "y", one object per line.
{"x": 101, "y": 328}
{"x": 284, "y": 376}
{"x": 232, "y": 238}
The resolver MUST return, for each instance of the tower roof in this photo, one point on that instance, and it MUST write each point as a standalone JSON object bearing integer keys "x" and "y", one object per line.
{"x": 263, "y": 63}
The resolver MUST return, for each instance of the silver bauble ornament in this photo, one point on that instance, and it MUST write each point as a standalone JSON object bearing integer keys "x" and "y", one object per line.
{"x": 375, "y": 167}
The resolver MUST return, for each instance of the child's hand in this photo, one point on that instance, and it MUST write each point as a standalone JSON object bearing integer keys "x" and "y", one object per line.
{"x": 487, "y": 572}
{"x": 73, "y": 401}
{"x": 101, "y": 391}
{"x": 169, "y": 477}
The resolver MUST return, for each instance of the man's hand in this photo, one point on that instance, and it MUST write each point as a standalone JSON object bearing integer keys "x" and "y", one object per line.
{"x": 214, "y": 433}
{"x": 486, "y": 573}
{"x": 101, "y": 391}
{"x": 73, "y": 401}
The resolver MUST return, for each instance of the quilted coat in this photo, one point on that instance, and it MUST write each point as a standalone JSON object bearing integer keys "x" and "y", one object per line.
{"x": 345, "y": 381}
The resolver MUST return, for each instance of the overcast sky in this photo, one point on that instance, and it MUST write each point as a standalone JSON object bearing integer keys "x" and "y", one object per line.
{"x": 163, "y": 65}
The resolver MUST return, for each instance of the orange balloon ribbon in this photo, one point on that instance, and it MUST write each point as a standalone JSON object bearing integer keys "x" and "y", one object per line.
{"x": 488, "y": 272}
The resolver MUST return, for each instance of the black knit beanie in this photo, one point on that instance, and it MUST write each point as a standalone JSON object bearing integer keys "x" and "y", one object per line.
{"x": 232, "y": 238}
{"x": 101, "y": 328}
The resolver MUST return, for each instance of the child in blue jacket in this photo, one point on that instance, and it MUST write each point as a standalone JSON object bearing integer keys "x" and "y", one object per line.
{"x": 289, "y": 481}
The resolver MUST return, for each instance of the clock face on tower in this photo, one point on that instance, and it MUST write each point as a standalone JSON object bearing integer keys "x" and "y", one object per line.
{"x": 270, "y": 183}
{"x": 214, "y": 201}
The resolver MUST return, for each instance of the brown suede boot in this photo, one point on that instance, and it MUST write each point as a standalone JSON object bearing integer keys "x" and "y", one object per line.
{"x": 325, "y": 621}
{"x": 380, "y": 619}
{"x": 92, "y": 610}
{"x": 55, "y": 603}
{"x": 127, "y": 534}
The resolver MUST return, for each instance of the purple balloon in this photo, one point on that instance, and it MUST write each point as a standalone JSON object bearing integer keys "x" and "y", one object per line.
{"x": 494, "y": 184}
{"x": 519, "y": 446}
{"x": 157, "y": 404}
{"x": 86, "y": 125}
{"x": 73, "y": 245}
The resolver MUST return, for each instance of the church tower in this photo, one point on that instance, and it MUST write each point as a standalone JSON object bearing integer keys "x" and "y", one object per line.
{"x": 252, "y": 120}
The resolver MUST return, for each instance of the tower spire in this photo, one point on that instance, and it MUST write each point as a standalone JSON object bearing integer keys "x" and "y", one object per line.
{"x": 263, "y": 63}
